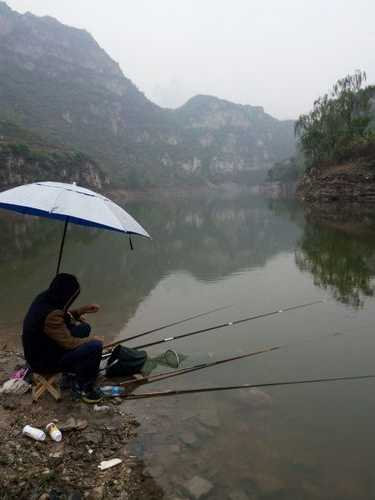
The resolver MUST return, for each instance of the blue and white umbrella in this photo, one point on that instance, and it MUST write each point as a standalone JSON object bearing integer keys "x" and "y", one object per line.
{"x": 70, "y": 203}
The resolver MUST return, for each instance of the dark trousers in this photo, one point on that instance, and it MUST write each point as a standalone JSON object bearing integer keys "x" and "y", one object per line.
{"x": 83, "y": 361}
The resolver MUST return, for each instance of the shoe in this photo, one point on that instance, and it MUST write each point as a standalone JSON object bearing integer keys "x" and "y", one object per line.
{"x": 88, "y": 394}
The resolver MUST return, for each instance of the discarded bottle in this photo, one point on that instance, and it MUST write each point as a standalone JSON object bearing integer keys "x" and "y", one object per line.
{"x": 112, "y": 390}
{"x": 34, "y": 433}
{"x": 54, "y": 432}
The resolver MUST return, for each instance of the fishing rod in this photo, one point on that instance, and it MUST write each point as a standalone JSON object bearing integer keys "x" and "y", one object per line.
{"x": 159, "y": 328}
{"x": 200, "y": 366}
{"x": 230, "y": 323}
{"x": 178, "y": 392}
{"x": 209, "y": 364}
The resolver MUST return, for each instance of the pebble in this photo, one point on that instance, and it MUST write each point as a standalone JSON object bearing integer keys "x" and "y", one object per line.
{"x": 71, "y": 424}
{"x": 198, "y": 487}
{"x": 9, "y": 405}
{"x": 259, "y": 399}
{"x": 189, "y": 438}
{"x": 95, "y": 437}
{"x": 156, "y": 471}
{"x": 6, "y": 459}
{"x": 58, "y": 452}
{"x": 103, "y": 408}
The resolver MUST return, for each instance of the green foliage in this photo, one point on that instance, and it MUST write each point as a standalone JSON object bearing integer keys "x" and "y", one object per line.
{"x": 29, "y": 158}
{"x": 288, "y": 170}
{"x": 341, "y": 264}
{"x": 77, "y": 98}
{"x": 19, "y": 149}
{"x": 339, "y": 121}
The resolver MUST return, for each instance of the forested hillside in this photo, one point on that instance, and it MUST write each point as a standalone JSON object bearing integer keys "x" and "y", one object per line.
{"x": 56, "y": 81}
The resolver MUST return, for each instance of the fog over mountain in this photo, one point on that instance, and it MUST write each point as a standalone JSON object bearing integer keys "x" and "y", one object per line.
{"x": 279, "y": 55}
{"x": 59, "y": 88}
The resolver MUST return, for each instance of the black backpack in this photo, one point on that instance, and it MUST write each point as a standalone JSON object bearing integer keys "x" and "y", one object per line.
{"x": 125, "y": 362}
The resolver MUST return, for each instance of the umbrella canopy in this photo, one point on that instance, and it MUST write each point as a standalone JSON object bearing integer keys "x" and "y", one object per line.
{"x": 70, "y": 203}
{"x": 57, "y": 200}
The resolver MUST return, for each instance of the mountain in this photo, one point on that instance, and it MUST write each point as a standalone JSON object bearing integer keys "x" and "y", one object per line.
{"x": 25, "y": 157}
{"x": 231, "y": 139}
{"x": 56, "y": 81}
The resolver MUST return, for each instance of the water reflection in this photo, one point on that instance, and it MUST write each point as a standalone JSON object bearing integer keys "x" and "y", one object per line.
{"x": 209, "y": 239}
{"x": 207, "y": 253}
{"x": 340, "y": 262}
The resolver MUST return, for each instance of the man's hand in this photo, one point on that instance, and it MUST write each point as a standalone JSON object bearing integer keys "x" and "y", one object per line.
{"x": 92, "y": 308}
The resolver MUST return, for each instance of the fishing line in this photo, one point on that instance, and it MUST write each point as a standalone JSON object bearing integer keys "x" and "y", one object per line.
{"x": 158, "y": 329}
{"x": 178, "y": 392}
{"x": 209, "y": 364}
{"x": 228, "y": 324}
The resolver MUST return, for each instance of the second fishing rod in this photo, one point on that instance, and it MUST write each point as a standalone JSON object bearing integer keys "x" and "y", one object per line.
{"x": 147, "y": 379}
{"x": 229, "y": 324}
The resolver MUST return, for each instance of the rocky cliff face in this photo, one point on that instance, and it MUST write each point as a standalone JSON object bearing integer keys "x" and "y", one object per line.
{"x": 22, "y": 166}
{"x": 232, "y": 139}
{"x": 25, "y": 158}
{"x": 350, "y": 182}
{"x": 56, "y": 80}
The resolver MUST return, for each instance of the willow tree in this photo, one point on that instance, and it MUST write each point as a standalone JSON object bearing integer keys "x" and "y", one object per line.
{"x": 336, "y": 121}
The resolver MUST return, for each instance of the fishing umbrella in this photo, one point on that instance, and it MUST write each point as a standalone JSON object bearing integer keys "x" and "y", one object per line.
{"x": 70, "y": 203}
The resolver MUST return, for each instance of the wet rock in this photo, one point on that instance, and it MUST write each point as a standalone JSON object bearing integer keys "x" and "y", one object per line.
{"x": 202, "y": 430}
{"x": 198, "y": 487}
{"x": 94, "y": 437}
{"x": 156, "y": 471}
{"x": 9, "y": 404}
{"x": 58, "y": 451}
{"x": 103, "y": 409}
{"x": 255, "y": 398}
{"x": 73, "y": 424}
{"x": 259, "y": 399}
{"x": 209, "y": 418}
{"x": 190, "y": 439}
{"x": 6, "y": 459}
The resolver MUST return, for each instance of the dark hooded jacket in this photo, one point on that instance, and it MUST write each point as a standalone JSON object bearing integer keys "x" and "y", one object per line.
{"x": 49, "y": 330}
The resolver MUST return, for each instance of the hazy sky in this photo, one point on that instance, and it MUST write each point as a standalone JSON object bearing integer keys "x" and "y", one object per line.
{"x": 280, "y": 54}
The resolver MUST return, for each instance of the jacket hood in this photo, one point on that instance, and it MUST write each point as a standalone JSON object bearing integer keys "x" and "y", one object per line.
{"x": 63, "y": 290}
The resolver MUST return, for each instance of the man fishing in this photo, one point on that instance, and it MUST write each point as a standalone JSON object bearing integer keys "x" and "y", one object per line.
{"x": 56, "y": 339}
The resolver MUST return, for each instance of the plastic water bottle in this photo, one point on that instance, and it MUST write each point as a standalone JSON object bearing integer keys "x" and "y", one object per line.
{"x": 112, "y": 390}
{"x": 34, "y": 433}
{"x": 54, "y": 432}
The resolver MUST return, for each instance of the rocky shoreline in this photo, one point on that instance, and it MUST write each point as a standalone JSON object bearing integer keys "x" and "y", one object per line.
{"x": 345, "y": 183}
{"x": 68, "y": 470}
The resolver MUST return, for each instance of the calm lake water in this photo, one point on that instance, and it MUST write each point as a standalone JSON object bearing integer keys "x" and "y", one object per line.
{"x": 300, "y": 442}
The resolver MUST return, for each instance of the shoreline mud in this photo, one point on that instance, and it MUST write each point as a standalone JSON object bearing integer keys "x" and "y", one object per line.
{"x": 67, "y": 470}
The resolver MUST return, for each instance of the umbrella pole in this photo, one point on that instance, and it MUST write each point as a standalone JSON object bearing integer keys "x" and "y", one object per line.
{"x": 62, "y": 245}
